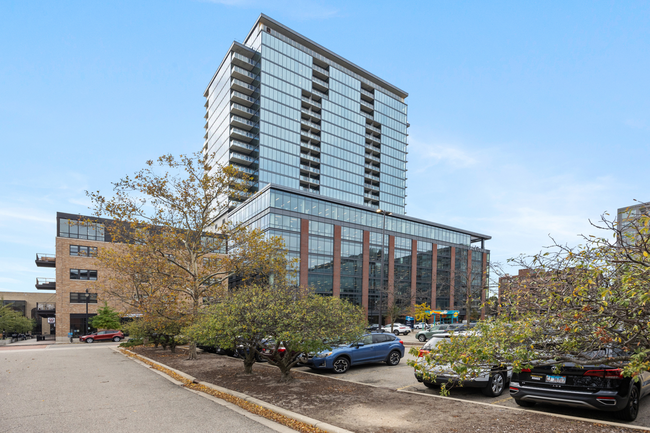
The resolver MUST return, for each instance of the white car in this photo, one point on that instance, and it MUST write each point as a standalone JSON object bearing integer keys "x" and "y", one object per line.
{"x": 398, "y": 329}
{"x": 492, "y": 380}
{"x": 421, "y": 325}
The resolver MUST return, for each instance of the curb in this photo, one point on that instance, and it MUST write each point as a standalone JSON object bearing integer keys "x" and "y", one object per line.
{"x": 287, "y": 413}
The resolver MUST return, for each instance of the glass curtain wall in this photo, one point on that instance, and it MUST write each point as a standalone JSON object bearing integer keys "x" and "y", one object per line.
{"x": 321, "y": 257}
{"x": 424, "y": 271}
{"x": 443, "y": 278}
{"x": 351, "y": 264}
{"x": 402, "y": 260}
{"x": 460, "y": 279}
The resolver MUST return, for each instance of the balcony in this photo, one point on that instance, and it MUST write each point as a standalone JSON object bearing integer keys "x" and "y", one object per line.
{"x": 45, "y": 306}
{"x": 240, "y": 195}
{"x": 243, "y": 86}
{"x": 308, "y": 168}
{"x": 319, "y": 93}
{"x": 373, "y": 138}
{"x": 247, "y": 183}
{"x": 367, "y": 93}
{"x": 371, "y": 196}
{"x": 242, "y": 110}
{"x": 367, "y": 115}
{"x": 372, "y": 157}
{"x": 372, "y": 128}
{"x": 242, "y": 122}
{"x": 305, "y": 133}
{"x": 371, "y": 186}
{"x": 372, "y": 176}
{"x": 324, "y": 85}
{"x": 248, "y": 170}
{"x": 312, "y": 190}
{"x": 240, "y": 146}
{"x": 242, "y": 135}
{"x": 45, "y": 260}
{"x": 310, "y": 113}
{"x": 243, "y": 61}
{"x": 367, "y": 104}
{"x": 373, "y": 167}
{"x": 242, "y": 159}
{"x": 310, "y": 180}
{"x": 311, "y": 125}
{"x": 310, "y": 158}
{"x": 243, "y": 98}
{"x": 243, "y": 74}
{"x": 309, "y": 146}
{"x": 46, "y": 283}
{"x": 373, "y": 147}
{"x": 321, "y": 70}
{"x": 311, "y": 101}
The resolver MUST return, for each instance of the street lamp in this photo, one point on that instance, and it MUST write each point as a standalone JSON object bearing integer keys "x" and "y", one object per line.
{"x": 383, "y": 236}
{"x": 87, "y": 296}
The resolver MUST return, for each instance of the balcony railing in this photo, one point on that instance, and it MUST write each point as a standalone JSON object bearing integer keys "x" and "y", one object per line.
{"x": 367, "y": 104}
{"x": 319, "y": 93}
{"x": 308, "y": 168}
{"x": 242, "y": 157}
{"x": 244, "y": 72}
{"x": 371, "y": 176}
{"x": 243, "y": 133}
{"x": 248, "y": 170}
{"x": 372, "y": 128}
{"x": 310, "y": 158}
{"x": 372, "y": 167}
{"x": 367, "y": 93}
{"x": 244, "y": 85}
{"x": 245, "y": 59}
{"x": 45, "y": 260}
{"x": 310, "y": 179}
{"x": 373, "y": 157}
{"x": 373, "y": 138}
{"x": 311, "y": 113}
{"x": 311, "y": 124}
{"x": 321, "y": 82}
{"x": 321, "y": 70}
{"x": 309, "y": 134}
{"x": 245, "y": 109}
{"x": 244, "y": 121}
{"x": 367, "y": 115}
{"x": 370, "y": 186}
{"x": 46, "y": 306}
{"x": 309, "y": 146}
{"x": 311, "y": 101}
{"x": 46, "y": 283}
{"x": 242, "y": 145}
{"x": 245, "y": 97}
{"x": 371, "y": 196}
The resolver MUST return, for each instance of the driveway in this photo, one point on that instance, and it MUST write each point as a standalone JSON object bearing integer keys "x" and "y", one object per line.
{"x": 80, "y": 388}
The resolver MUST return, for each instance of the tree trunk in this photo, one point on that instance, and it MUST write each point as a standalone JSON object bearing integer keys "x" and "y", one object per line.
{"x": 192, "y": 351}
{"x": 249, "y": 360}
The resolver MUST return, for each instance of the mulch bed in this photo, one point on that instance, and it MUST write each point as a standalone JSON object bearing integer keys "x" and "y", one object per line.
{"x": 363, "y": 408}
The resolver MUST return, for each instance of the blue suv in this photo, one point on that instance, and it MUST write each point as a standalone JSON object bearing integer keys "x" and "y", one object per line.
{"x": 375, "y": 347}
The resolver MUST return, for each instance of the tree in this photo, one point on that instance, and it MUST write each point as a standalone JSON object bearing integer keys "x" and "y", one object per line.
{"x": 12, "y": 321}
{"x": 422, "y": 312}
{"x": 106, "y": 318}
{"x": 289, "y": 320}
{"x": 172, "y": 246}
{"x": 587, "y": 304}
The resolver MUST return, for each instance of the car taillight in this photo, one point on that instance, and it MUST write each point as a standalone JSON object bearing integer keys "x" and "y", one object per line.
{"x": 513, "y": 389}
{"x": 607, "y": 374}
{"x": 422, "y": 353}
{"x": 525, "y": 370}
{"x": 401, "y": 342}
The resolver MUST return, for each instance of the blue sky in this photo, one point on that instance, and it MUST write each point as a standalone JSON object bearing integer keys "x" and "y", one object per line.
{"x": 527, "y": 118}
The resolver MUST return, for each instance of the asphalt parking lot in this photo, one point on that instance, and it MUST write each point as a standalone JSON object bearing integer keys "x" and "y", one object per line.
{"x": 401, "y": 378}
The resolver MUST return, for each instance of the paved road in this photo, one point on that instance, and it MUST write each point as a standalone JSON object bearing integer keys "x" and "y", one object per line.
{"x": 401, "y": 377}
{"x": 81, "y": 388}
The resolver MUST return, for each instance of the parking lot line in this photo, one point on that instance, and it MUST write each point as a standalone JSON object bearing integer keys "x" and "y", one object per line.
{"x": 502, "y": 400}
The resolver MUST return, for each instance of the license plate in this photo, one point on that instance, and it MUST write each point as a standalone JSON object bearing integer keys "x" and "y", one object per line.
{"x": 555, "y": 379}
{"x": 535, "y": 377}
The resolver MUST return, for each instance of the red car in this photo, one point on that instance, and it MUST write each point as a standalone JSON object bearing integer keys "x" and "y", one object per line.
{"x": 103, "y": 336}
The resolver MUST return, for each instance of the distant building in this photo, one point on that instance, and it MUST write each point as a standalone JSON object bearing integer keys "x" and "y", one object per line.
{"x": 38, "y": 306}
{"x": 628, "y": 219}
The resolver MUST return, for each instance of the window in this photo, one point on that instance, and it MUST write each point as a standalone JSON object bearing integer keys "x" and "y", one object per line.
{"x": 83, "y": 274}
{"x": 82, "y": 251}
{"x": 81, "y": 230}
{"x": 80, "y": 298}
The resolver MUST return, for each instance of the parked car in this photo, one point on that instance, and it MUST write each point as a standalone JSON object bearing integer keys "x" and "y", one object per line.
{"x": 492, "y": 381}
{"x": 397, "y": 329}
{"x": 421, "y": 325}
{"x": 109, "y": 335}
{"x": 424, "y": 335}
{"x": 373, "y": 328}
{"x": 375, "y": 347}
{"x": 600, "y": 387}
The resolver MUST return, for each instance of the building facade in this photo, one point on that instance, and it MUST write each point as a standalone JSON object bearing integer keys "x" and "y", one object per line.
{"x": 287, "y": 111}
{"x": 325, "y": 143}
{"x": 40, "y": 307}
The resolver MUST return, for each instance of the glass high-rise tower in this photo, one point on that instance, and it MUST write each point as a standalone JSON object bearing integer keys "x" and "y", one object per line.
{"x": 290, "y": 112}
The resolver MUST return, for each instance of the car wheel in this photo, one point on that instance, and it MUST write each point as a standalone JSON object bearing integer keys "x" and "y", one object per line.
{"x": 396, "y": 332}
{"x": 393, "y": 358}
{"x": 631, "y": 409}
{"x": 524, "y": 403}
{"x": 89, "y": 340}
{"x": 496, "y": 385}
{"x": 341, "y": 365}
{"x": 116, "y": 339}
{"x": 422, "y": 338}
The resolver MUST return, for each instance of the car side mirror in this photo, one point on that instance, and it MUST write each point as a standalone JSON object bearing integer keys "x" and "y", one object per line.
{"x": 359, "y": 344}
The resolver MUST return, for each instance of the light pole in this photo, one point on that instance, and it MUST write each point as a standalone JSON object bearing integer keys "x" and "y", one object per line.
{"x": 383, "y": 236}
{"x": 87, "y": 296}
